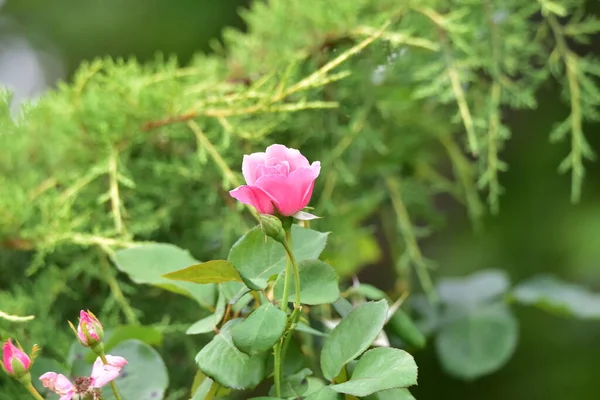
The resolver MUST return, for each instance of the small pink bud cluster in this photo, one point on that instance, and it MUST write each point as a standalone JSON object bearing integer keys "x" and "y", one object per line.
{"x": 90, "y": 333}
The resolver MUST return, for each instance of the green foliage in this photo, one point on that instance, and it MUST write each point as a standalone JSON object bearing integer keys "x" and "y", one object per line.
{"x": 556, "y": 296}
{"x": 227, "y": 365}
{"x": 215, "y": 271}
{"x": 258, "y": 257}
{"x": 318, "y": 283}
{"x": 352, "y": 336}
{"x": 260, "y": 330}
{"x": 477, "y": 341}
{"x": 125, "y": 158}
{"x": 380, "y": 369}
{"x": 150, "y": 263}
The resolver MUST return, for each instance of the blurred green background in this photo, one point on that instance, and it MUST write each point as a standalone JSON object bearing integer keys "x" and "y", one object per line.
{"x": 537, "y": 230}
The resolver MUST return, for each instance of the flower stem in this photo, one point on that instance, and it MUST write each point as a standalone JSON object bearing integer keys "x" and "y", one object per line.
{"x": 281, "y": 346}
{"x": 286, "y": 287}
{"x": 277, "y": 367}
{"x": 212, "y": 392}
{"x": 288, "y": 248}
{"x": 34, "y": 392}
{"x": 112, "y": 383}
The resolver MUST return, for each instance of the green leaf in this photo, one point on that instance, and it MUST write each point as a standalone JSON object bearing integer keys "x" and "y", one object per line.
{"x": 476, "y": 288}
{"x": 260, "y": 330}
{"x": 403, "y": 326}
{"x": 318, "y": 283}
{"x": 294, "y": 385}
{"x": 302, "y": 327}
{"x": 209, "y": 323}
{"x": 352, "y": 336}
{"x": 146, "y": 334}
{"x": 368, "y": 291}
{"x": 144, "y": 377}
{"x": 380, "y": 369}
{"x": 477, "y": 341}
{"x": 227, "y": 365}
{"x": 325, "y": 393}
{"x": 266, "y": 398}
{"x": 146, "y": 264}
{"x": 554, "y": 295}
{"x": 215, "y": 271}
{"x": 342, "y": 307}
{"x": 257, "y": 257}
{"x": 314, "y": 385}
{"x": 391, "y": 394}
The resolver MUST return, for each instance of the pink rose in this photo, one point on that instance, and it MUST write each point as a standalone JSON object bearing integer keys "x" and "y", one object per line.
{"x": 279, "y": 179}
{"x": 16, "y": 362}
{"x": 101, "y": 375}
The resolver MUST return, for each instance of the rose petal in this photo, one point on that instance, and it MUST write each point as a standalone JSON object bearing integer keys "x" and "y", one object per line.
{"x": 249, "y": 165}
{"x": 116, "y": 361}
{"x": 293, "y": 156}
{"x": 253, "y": 196}
{"x": 316, "y": 170}
{"x": 104, "y": 373}
{"x": 292, "y": 193}
{"x": 58, "y": 383}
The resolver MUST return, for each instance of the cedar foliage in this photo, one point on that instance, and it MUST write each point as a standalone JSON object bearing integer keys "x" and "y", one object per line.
{"x": 382, "y": 92}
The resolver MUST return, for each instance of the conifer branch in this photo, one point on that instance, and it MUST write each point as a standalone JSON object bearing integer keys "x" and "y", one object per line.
{"x": 490, "y": 176}
{"x": 461, "y": 99}
{"x": 574, "y": 160}
{"x": 413, "y": 250}
{"x": 115, "y": 199}
{"x": 317, "y": 79}
{"x": 466, "y": 177}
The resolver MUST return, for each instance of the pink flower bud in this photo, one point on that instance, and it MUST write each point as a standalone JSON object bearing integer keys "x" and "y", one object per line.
{"x": 89, "y": 330}
{"x": 280, "y": 179}
{"x": 16, "y": 362}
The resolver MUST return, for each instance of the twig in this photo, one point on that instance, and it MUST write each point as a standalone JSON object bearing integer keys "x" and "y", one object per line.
{"x": 412, "y": 247}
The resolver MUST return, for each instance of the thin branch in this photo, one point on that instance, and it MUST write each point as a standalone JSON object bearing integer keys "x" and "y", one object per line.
{"x": 115, "y": 199}
{"x": 317, "y": 78}
{"x": 454, "y": 76}
{"x": 15, "y": 318}
{"x": 412, "y": 246}
{"x": 464, "y": 172}
{"x": 570, "y": 60}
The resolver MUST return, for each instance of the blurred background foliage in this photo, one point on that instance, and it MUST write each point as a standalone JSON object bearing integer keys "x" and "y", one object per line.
{"x": 50, "y": 265}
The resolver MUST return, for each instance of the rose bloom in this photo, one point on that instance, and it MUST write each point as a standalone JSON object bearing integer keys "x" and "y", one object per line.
{"x": 279, "y": 180}
{"x": 101, "y": 375}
